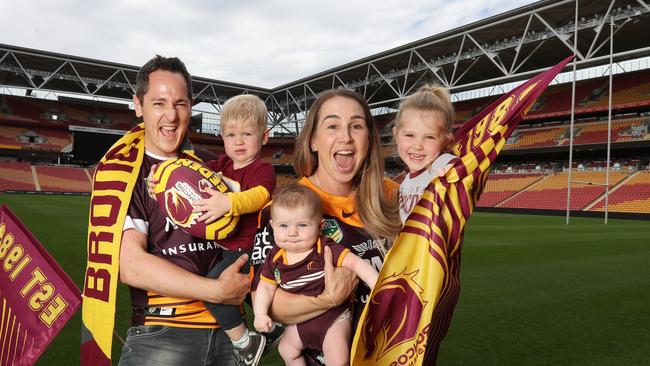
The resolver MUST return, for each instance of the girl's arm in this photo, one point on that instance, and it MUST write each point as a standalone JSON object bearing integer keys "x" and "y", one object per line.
{"x": 363, "y": 269}
{"x": 261, "y": 304}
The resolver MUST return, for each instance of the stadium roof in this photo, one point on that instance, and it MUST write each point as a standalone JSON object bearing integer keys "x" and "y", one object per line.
{"x": 507, "y": 47}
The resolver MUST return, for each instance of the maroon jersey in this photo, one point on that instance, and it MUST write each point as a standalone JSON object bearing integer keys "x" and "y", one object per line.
{"x": 341, "y": 224}
{"x": 306, "y": 277}
{"x": 170, "y": 242}
{"x": 257, "y": 173}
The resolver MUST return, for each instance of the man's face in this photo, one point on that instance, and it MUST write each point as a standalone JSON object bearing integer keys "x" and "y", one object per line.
{"x": 166, "y": 111}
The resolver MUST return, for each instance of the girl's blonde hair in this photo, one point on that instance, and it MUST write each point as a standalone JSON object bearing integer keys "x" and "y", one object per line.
{"x": 378, "y": 213}
{"x": 429, "y": 98}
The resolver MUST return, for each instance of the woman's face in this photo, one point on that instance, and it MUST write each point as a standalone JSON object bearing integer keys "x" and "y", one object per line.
{"x": 341, "y": 142}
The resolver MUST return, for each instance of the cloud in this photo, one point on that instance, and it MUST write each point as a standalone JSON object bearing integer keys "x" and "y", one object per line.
{"x": 260, "y": 43}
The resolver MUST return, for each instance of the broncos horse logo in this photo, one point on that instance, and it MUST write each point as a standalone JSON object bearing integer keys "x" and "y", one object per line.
{"x": 179, "y": 208}
{"x": 399, "y": 299}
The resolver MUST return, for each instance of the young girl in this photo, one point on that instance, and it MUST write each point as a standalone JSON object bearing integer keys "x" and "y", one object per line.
{"x": 423, "y": 134}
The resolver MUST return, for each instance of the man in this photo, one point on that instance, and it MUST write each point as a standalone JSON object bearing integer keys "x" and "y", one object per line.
{"x": 163, "y": 265}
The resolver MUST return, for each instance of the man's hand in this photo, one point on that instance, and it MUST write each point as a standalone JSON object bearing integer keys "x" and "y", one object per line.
{"x": 214, "y": 207}
{"x": 339, "y": 282}
{"x": 233, "y": 285}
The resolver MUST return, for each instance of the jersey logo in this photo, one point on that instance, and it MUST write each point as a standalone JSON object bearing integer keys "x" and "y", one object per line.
{"x": 381, "y": 334}
{"x": 347, "y": 215}
{"x": 276, "y": 275}
{"x": 332, "y": 230}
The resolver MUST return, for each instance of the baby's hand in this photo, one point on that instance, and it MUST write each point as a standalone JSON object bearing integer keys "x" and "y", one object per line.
{"x": 151, "y": 183}
{"x": 214, "y": 207}
{"x": 263, "y": 323}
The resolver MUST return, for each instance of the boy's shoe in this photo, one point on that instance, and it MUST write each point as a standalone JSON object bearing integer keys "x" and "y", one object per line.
{"x": 250, "y": 355}
{"x": 273, "y": 337}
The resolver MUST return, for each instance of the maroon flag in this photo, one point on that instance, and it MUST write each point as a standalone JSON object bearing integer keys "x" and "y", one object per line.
{"x": 37, "y": 297}
{"x": 411, "y": 306}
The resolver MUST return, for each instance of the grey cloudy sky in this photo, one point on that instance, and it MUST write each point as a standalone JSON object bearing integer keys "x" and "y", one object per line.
{"x": 260, "y": 43}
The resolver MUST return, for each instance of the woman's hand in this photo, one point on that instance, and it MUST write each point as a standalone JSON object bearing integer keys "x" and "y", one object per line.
{"x": 339, "y": 282}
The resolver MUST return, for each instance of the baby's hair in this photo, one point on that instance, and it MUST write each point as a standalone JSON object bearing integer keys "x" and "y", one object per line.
{"x": 294, "y": 195}
{"x": 245, "y": 108}
{"x": 429, "y": 98}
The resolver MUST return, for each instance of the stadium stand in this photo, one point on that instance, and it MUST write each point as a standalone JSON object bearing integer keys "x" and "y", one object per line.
{"x": 633, "y": 195}
{"x": 550, "y": 193}
{"x": 16, "y": 176}
{"x": 63, "y": 179}
{"x": 499, "y": 187}
{"x": 43, "y": 138}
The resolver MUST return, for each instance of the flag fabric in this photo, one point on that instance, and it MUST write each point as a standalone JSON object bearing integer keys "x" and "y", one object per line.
{"x": 113, "y": 183}
{"x": 411, "y": 306}
{"x": 37, "y": 297}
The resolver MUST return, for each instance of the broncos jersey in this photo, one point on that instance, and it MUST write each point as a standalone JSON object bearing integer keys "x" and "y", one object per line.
{"x": 342, "y": 225}
{"x": 167, "y": 241}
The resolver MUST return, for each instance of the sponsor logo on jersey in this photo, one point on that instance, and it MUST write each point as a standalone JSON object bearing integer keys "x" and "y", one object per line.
{"x": 261, "y": 246}
{"x": 346, "y": 215}
{"x": 370, "y": 244}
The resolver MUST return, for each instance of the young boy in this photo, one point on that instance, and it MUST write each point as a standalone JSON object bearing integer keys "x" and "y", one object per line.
{"x": 243, "y": 129}
{"x": 296, "y": 264}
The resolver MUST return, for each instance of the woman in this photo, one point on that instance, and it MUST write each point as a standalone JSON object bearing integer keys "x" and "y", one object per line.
{"x": 338, "y": 156}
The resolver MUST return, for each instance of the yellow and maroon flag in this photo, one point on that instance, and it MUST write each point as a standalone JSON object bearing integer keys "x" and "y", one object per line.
{"x": 37, "y": 297}
{"x": 411, "y": 306}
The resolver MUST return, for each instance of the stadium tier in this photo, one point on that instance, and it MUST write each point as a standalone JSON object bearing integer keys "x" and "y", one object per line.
{"x": 12, "y": 137}
{"x": 66, "y": 111}
{"x": 631, "y": 196}
{"x": 635, "y": 129}
{"x": 16, "y": 176}
{"x": 502, "y": 186}
{"x": 550, "y": 193}
{"x": 63, "y": 179}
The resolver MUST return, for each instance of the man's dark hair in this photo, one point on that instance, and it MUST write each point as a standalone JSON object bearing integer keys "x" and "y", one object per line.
{"x": 171, "y": 64}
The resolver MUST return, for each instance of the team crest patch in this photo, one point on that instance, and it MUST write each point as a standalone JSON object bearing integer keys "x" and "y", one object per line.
{"x": 332, "y": 230}
{"x": 276, "y": 275}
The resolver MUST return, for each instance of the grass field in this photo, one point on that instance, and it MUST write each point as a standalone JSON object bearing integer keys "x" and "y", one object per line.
{"x": 535, "y": 291}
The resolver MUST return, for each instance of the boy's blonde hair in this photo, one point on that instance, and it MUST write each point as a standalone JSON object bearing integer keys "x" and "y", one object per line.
{"x": 294, "y": 195}
{"x": 245, "y": 108}
{"x": 429, "y": 98}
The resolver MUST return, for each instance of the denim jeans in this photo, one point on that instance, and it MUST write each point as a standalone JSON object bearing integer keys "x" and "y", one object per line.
{"x": 149, "y": 345}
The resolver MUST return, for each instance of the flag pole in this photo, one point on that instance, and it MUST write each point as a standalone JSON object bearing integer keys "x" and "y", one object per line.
{"x": 573, "y": 103}
{"x": 609, "y": 117}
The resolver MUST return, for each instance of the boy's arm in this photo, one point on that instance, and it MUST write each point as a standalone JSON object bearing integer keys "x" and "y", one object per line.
{"x": 249, "y": 201}
{"x": 363, "y": 269}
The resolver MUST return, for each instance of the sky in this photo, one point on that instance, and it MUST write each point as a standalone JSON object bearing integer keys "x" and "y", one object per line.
{"x": 259, "y": 43}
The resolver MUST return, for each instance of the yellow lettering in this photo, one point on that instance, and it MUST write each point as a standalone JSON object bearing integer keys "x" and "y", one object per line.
{"x": 37, "y": 278}
{"x": 499, "y": 114}
{"x": 52, "y": 311}
{"x": 5, "y": 244}
{"x": 12, "y": 257}
{"x": 37, "y": 299}
{"x": 17, "y": 269}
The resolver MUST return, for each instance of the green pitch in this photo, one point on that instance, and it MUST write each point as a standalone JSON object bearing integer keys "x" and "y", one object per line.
{"x": 534, "y": 290}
